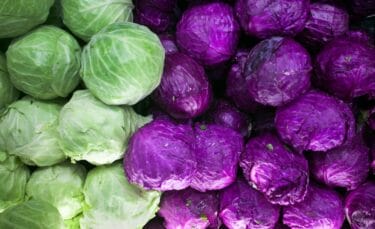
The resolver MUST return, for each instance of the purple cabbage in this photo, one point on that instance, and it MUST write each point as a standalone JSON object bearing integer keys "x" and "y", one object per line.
{"x": 242, "y": 207}
{"x": 169, "y": 43}
{"x": 344, "y": 166}
{"x": 223, "y": 113}
{"x": 315, "y": 121}
{"x": 321, "y": 208}
{"x": 360, "y": 207}
{"x": 184, "y": 91}
{"x": 326, "y": 22}
{"x": 236, "y": 88}
{"x": 217, "y": 150}
{"x": 158, "y": 15}
{"x": 279, "y": 173}
{"x": 160, "y": 156}
{"x": 277, "y": 71}
{"x": 188, "y": 209}
{"x": 346, "y": 68}
{"x": 267, "y": 18}
{"x": 209, "y": 33}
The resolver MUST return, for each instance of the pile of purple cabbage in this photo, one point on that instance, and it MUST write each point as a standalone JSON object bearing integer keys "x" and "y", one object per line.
{"x": 264, "y": 117}
{"x": 187, "y": 114}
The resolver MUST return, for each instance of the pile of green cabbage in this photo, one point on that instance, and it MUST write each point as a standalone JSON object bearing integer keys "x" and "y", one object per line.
{"x": 69, "y": 71}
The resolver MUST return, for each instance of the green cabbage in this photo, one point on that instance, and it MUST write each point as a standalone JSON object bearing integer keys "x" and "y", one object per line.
{"x": 86, "y": 18}
{"x": 28, "y": 129}
{"x": 13, "y": 178}
{"x": 32, "y": 214}
{"x": 45, "y": 63}
{"x": 19, "y": 16}
{"x": 8, "y": 93}
{"x": 60, "y": 185}
{"x": 123, "y": 63}
{"x": 114, "y": 203}
{"x": 93, "y": 131}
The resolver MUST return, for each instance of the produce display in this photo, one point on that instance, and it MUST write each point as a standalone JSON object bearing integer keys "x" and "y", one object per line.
{"x": 187, "y": 114}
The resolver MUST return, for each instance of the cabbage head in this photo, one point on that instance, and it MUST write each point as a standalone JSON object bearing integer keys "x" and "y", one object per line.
{"x": 28, "y": 129}
{"x": 32, "y": 214}
{"x": 112, "y": 202}
{"x": 8, "y": 93}
{"x": 19, "y": 16}
{"x": 86, "y": 18}
{"x": 93, "y": 131}
{"x": 13, "y": 177}
{"x": 45, "y": 63}
{"x": 60, "y": 185}
{"x": 123, "y": 63}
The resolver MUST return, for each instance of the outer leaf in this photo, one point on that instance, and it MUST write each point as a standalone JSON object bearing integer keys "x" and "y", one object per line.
{"x": 19, "y": 16}
{"x": 160, "y": 156}
{"x": 123, "y": 63}
{"x": 112, "y": 202}
{"x": 32, "y": 214}
{"x": 45, "y": 63}
{"x": 93, "y": 131}
{"x": 86, "y": 18}
{"x": 8, "y": 93}
{"x": 28, "y": 129}
{"x": 60, "y": 185}
{"x": 13, "y": 178}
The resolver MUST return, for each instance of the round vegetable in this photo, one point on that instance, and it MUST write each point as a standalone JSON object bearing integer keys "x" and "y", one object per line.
{"x": 223, "y": 113}
{"x": 279, "y": 173}
{"x": 19, "y": 16}
{"x": 360, "y": 205}
{"x": 236, "y": 88}
{"x": 8, "y": 93}
{"x": 243, "y": 207}
{"x": 277, "y": 70}
{"x": 86, "y": 18}
{"x": 321, "y": 208}
{"x": 209, "y": 33}
{"x": 112, "y": 202}
{"x": 93, "y": 131}
{"x": 217, "y": 149}
{"x": 325, "y": 23}
{"x": 45, "y": 63}
{"x": 158, "y": 15}
{"x": 28, "y": 129}
{"x": 60, "y": 185}
{"x": 32, "y": 214}
{"x": 13, "y": 177}
{"x": 160, "y": 156}
{"x": 123, "y": 63}
{"x": 184, "y": 91}
{"x": 188, "y": 208}
{"x": 344, "y": 166}
{"x": 346, "y": 68}
{"x": 315, "y": 121}
{"x": 267, "y": 18}
{"x": 169, "y": 43}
